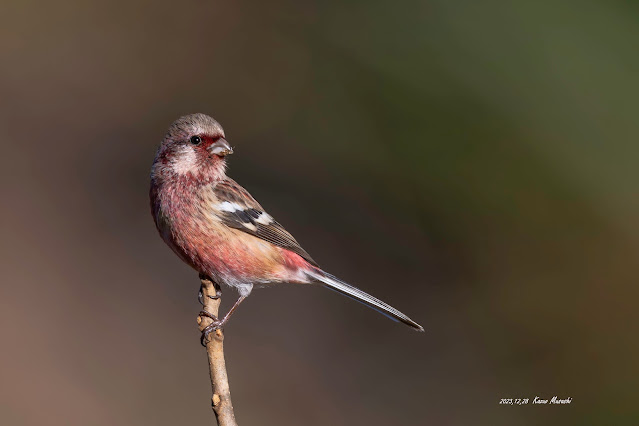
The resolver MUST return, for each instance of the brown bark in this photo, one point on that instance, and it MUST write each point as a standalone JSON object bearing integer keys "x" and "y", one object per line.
{"x": 221, "y": 400}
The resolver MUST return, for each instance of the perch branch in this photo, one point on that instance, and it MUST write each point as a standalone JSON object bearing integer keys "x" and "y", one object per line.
{"x": 221, "y": 400}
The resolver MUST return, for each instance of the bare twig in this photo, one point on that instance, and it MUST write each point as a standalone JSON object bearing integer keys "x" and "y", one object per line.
{"x": 221, "y": 400}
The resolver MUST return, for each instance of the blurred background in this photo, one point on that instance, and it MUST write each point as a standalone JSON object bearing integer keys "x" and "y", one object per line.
{"x": 472, "y": 163}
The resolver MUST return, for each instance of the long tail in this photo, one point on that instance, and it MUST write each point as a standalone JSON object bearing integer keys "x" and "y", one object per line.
{"x": 340, "y": 286}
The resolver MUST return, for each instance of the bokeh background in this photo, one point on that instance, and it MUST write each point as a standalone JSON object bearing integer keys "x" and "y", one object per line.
{"x": 472, "y": 163}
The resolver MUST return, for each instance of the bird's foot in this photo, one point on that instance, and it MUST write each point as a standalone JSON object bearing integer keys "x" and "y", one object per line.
{"x": 200, "y": 295}
{"x": 216, "y": 324}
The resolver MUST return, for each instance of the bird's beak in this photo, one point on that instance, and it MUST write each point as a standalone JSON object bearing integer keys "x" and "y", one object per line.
{"x": 221, "y": 148}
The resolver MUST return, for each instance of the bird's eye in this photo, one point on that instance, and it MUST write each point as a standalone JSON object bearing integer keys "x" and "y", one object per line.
{"x": 196, "y": 140}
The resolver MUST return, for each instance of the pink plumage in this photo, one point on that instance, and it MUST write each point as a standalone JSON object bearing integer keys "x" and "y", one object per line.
{"x": 218, "y": 228}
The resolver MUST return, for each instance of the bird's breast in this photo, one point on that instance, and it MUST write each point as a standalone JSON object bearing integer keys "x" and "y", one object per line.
{"x": 189, "y": 224}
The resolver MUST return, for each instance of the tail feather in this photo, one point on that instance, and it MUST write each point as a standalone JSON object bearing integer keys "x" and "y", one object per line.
{"x": 354, "y": 293}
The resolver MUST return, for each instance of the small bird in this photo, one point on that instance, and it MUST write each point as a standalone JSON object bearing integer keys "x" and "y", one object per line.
{"x": 217, "y": 227}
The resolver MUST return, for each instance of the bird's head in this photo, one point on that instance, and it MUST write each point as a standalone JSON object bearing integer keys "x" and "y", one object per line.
{"x": 193, "y": 148}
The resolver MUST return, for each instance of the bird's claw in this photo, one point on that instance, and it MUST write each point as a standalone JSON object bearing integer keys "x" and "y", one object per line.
{"x": 200, "y": 295}
{"x": 216, "y": 324}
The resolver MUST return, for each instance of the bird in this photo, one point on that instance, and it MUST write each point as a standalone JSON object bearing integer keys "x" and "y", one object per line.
{"x": 214, "y": 225}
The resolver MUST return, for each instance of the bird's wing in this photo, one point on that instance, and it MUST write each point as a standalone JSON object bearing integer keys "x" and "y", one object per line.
{"x": 239, "y": 210}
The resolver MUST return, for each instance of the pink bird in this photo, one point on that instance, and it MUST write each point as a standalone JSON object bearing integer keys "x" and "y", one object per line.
{"x": 217, "y": 227}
